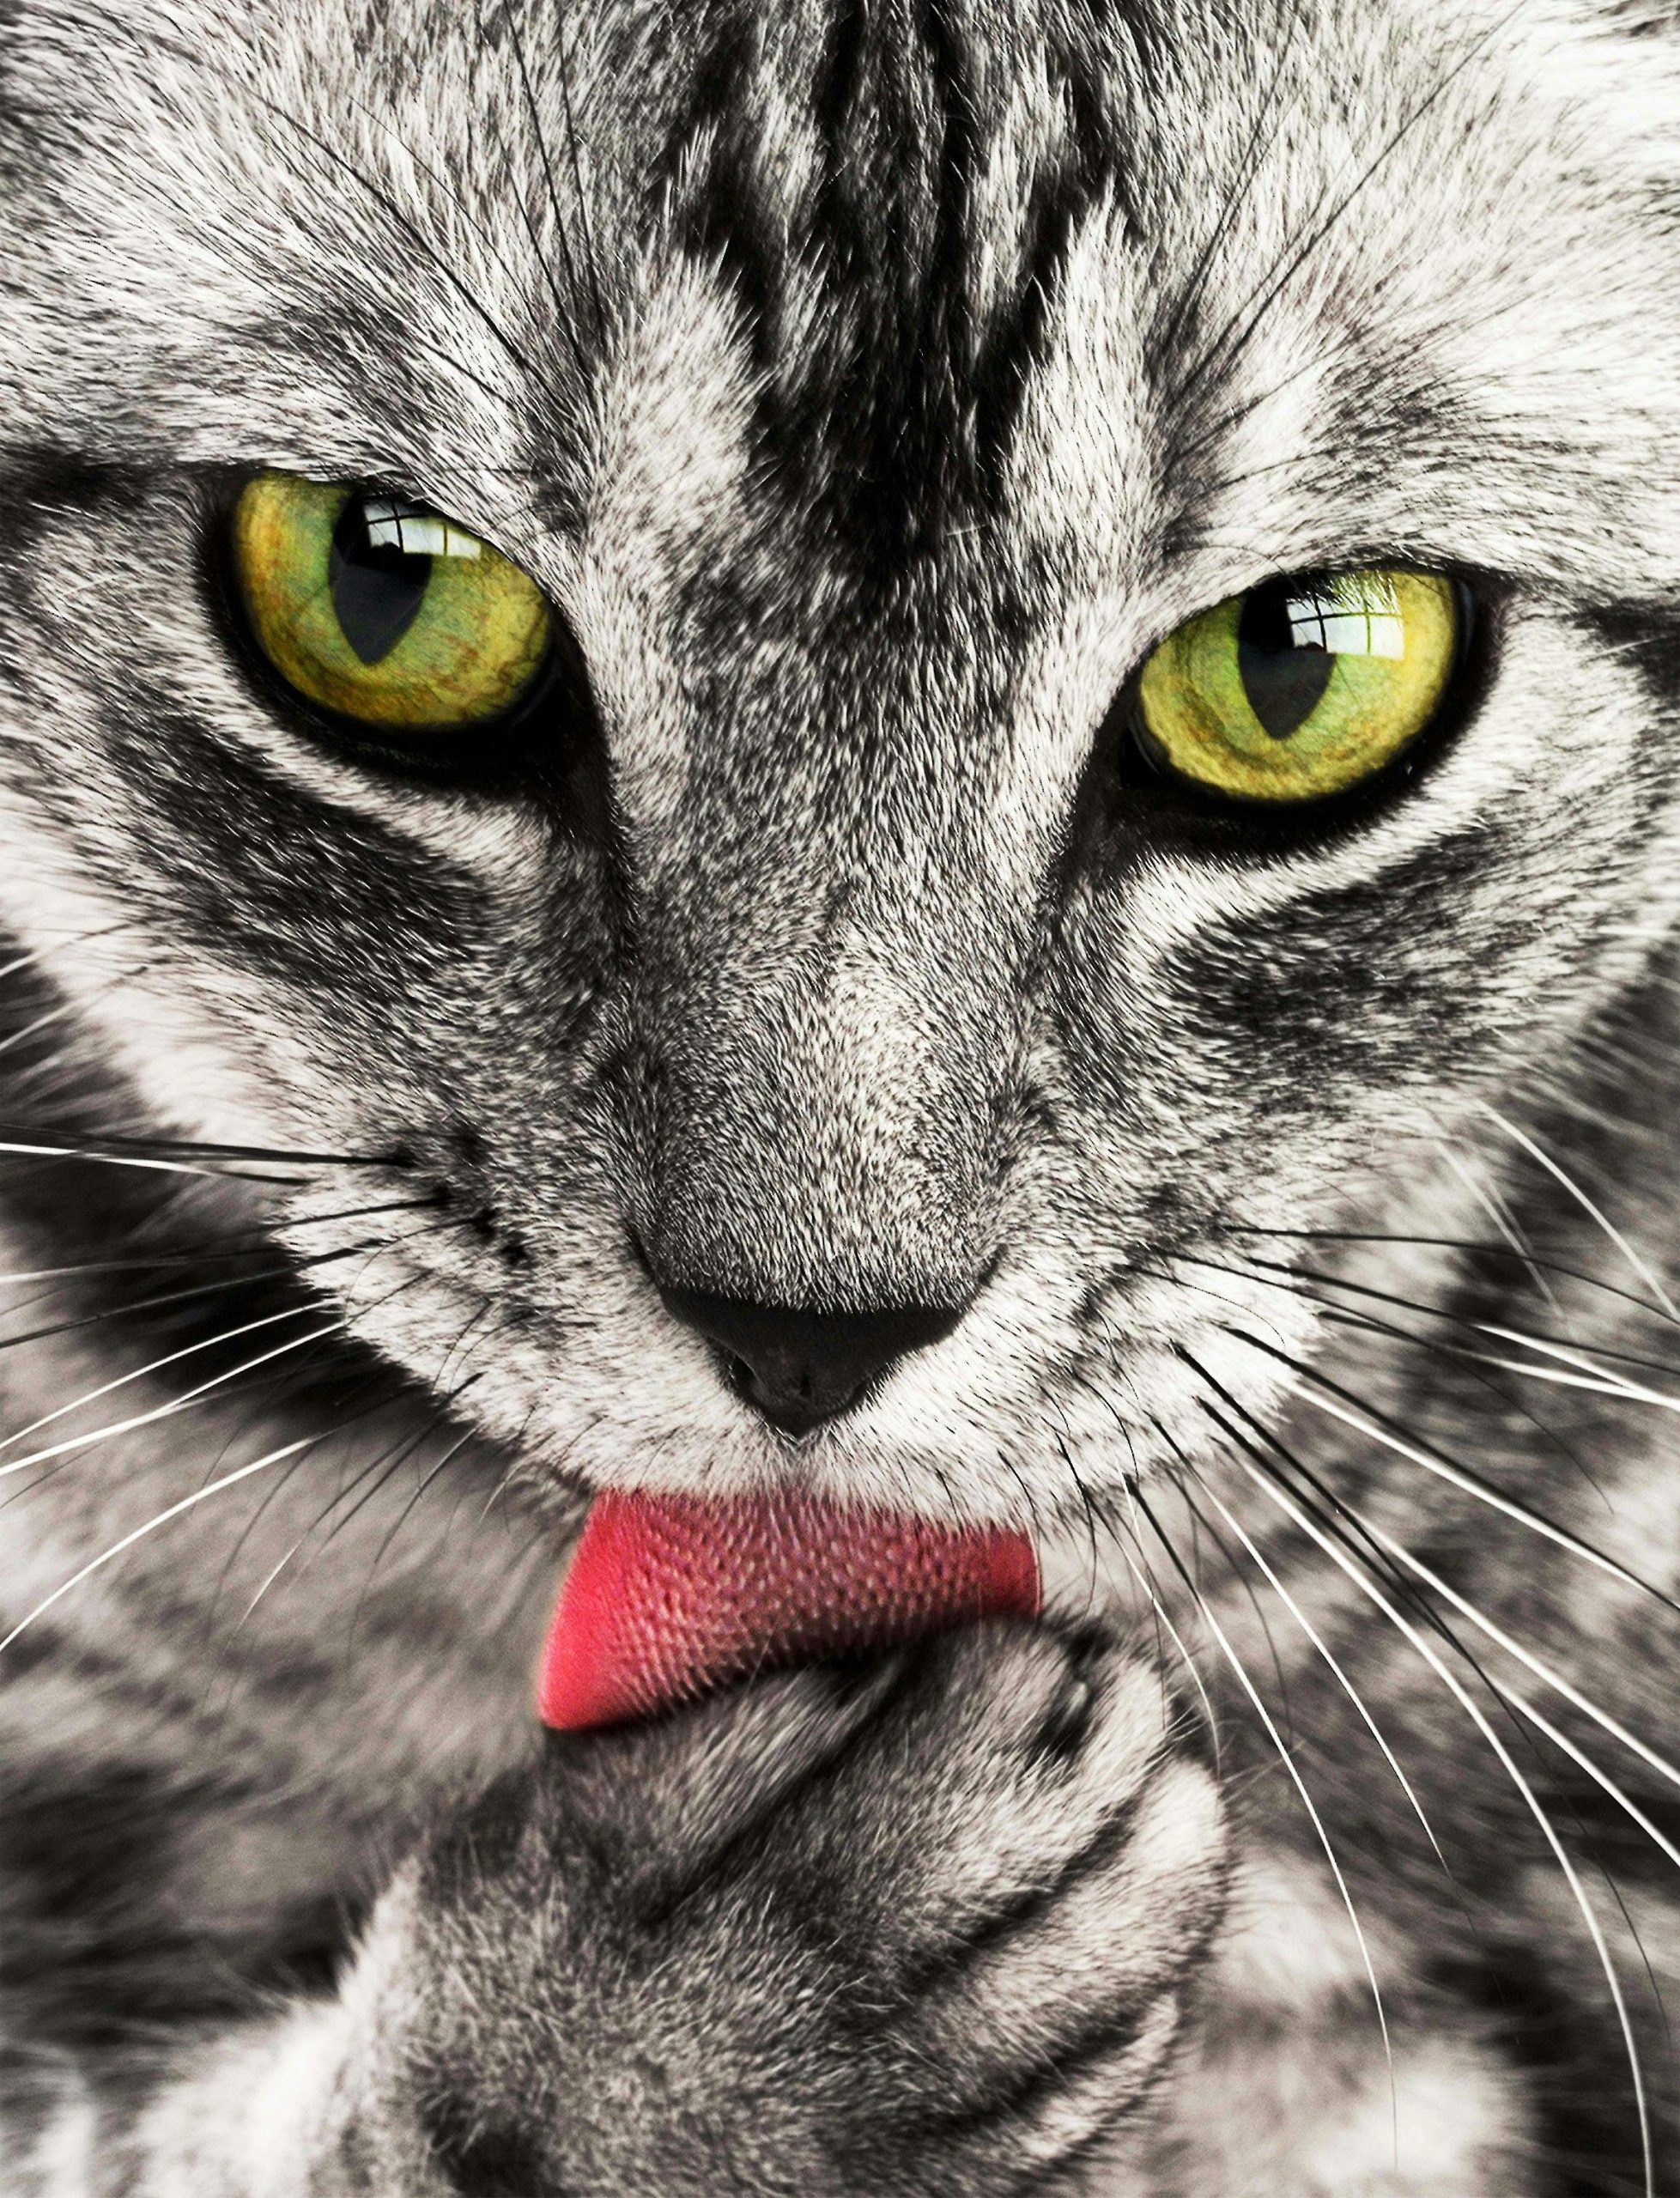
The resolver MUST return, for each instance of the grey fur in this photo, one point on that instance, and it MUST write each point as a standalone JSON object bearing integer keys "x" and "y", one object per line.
{"x": 870, "y": 384}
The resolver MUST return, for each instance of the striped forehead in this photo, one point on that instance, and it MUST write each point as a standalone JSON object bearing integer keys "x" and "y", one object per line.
{"x": 904, "y": 270}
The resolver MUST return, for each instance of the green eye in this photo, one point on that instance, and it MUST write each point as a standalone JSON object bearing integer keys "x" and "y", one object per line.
{"x": 1301, "y": 688}
{"x": 382, "y": 611}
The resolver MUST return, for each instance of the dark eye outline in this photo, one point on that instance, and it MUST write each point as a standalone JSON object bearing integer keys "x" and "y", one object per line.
{"x": 498, "y": 755}
{"x": 1143, "y": 794}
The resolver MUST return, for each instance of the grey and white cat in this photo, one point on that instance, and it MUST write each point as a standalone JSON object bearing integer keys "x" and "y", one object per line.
{"x": 1282, "y": 1198}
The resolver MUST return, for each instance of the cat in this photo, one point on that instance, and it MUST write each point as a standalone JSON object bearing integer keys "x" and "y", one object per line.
{"x": 625, "y": 868}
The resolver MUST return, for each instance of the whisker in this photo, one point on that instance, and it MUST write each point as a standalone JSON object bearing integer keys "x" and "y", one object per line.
{"x": 1366, "y": 1420}
{"x": 139, "y": 1533}
{"x": 1545, "y": 1673}
{"x": 1233, "y": 340}
{"x": 566, "y": 309}
{"x": 1288, "y": 1761}
{"x": 403, "y": 1516}
{"x": 1623, "y": 1800}
{"x": 1336, "y": 1517}
{"x": 485, "y": 236}
{"x": 80, "y": 1145}
{"x": 269, "y": 1577}
{"x": 80, "y": 939}
{"x": 1514, "y": 1700}
{"x": 1548, "y": 1265}
{"x": 1318, "y": 1642}
{"x": 429, "y": 253}
{"x": 208, "y": 1250}
{"x": 1086, "y": 1503}
{"x": 1645, "y": 1274}
{"x": 1499, "y": 1214}
{"x": 279, "y": 1486}
{"x": 1271, "y": 1488}
{"x": 62, "y": 1010}
{"x": 452, "y": 1451}
{"x": 380, "y": 1382}
{"x": 1600, "y": 1384}
{"x": 156, "y": 1366}
{"x": 1235, "y": 1572}
{"x": 1255, "y": 154}
{"x": 1374, "y": 1556}
{"x": 223, "y": 1287}
{"x": 373, "y": 1246}
{"x": 1232, "y": 1304}
{"x": 1363, "y": 1322}
{"x": 1531, "y": 1337}
{"x": 592, "y": 266}
{"x": 393, "y": 1459}
{"x": 1146, "y": 1580}
{"x": 126, "y": 1160}
{"x": 395, "y": 1454}
{"x": 75, "y": 1443}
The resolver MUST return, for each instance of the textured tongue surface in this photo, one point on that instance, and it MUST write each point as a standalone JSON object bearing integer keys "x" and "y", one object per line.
{"x": 667, "y": 1596}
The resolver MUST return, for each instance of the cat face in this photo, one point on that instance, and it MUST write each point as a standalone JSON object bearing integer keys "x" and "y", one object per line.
{"x": 870, "y": 391}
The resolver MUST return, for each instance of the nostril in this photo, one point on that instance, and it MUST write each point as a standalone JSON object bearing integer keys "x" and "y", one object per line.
{"x": 800, "y": 1368}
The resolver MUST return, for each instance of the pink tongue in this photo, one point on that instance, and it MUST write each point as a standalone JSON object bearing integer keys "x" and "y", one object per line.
{"x": 667, "y": 1597}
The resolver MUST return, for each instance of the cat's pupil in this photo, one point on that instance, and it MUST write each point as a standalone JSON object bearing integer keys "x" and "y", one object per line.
{"x": 1283, "y": 654}
{"x": 377, "y": 573}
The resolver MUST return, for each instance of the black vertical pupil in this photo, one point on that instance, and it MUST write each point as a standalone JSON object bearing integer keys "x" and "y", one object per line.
{"x": 1284, "y": 664}
{"x": 377, "y": 586}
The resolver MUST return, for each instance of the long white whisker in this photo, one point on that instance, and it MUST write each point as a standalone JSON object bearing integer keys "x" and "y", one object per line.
{"x": 1311, "y": 1390}
{"x": 43, "y": 1021}
{"x": 1146, "y": 1581}
{"x": 1595, "y": 1771}
{"x": 139, "y": 1374}
{"x": 1365, "y": 1322}
{"x": 1455, "y": 1477}
{"x": 219, "y": 1248}
{"x": 174, "y": 1404}
{"x": 272, "y": 1577}
{"x": 1367, "y": 1587}
{"x": 134, "y": 1160}
{"x": 1288, "y": 1761}
{"x": 1600, "y": 1385}
{"x": 1645, "y": 1273}
{"x": 1495, "y": 1632}
{"x": 1317, "y": 1642}
{"x": 1495, "y": 1210}
{"x": 139, "y": 1533}
{"x": 1536, "y": 1716}
{"x": 374, "y": 1249}
{"x": 1603, "y": 1362}
{"x": 1593, "y": 1372}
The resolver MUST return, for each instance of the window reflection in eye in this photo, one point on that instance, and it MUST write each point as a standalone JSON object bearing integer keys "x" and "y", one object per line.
{"x": 414, "y": 531}
{"x": 1356, "y": 615}
{"x": 1303, "y": 686}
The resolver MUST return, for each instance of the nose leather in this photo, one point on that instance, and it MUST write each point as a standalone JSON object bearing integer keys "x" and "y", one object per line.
{"x": 800, "y": 1368}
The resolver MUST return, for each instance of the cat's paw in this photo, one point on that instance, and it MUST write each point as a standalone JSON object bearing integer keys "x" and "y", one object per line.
{"x": 926, "y": 1929}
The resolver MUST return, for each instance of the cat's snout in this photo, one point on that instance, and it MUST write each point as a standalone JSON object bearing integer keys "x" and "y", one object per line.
{"x": 800, "y": 1368}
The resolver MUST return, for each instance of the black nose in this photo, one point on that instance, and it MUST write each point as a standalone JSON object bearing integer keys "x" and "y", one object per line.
{"x": 801, "y": 1367}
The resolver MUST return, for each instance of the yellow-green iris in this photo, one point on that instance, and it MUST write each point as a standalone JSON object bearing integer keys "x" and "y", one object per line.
{"x": 380, "y": 610}
{"x": 1300, "y": 689}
